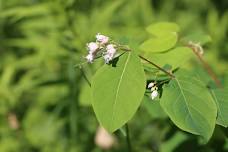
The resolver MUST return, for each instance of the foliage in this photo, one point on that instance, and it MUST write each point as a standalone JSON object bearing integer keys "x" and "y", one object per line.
{"x": 45, "y": 101}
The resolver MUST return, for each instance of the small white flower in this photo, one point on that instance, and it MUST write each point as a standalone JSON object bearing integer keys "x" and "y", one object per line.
{"x": 111, "y": 49}
{"x": 92, "y": 47}
{"x": 110, "y": 53}
{"x": 151, "y": 84}
{"x": 107, "y": 58}
{"x": 102, "y": 38}
{"x": 154, "y": 94}
{"x": 90, "y": 58}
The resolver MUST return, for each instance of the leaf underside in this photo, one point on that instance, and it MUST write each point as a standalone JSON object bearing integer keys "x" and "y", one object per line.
{"x": 189, "y": 105}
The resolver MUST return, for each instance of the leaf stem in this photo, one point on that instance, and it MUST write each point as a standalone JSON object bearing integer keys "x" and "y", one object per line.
{"x": 128, "y": 140}
{"x": 85, "y": 77}
{"x": 160, "y": 68}
{"x": 124, "y": 48}
{"x": 206, "y": 66}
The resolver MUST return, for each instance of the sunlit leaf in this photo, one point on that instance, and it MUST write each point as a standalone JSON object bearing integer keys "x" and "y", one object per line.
{"x": 175, "y": 57}
{"x": 161, "y": 28}
{"x": 160, "y": 44}
{"x": 117, "y": 91}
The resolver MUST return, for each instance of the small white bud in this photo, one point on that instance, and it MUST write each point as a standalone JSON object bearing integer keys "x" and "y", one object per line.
{"x": 110, "y": 53}
{"x": 154, "y": 94}
{"x": 102, "y": 38}
{"x": 150, "y": 85}
{"x": 90, "y": 58}
{"x": 111, "y": 49}
{"x": 92, "y": 47}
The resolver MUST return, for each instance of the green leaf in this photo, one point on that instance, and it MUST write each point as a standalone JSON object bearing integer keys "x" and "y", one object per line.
{"x": 175, "y": 57}
{"x": 160, "y": 28}
{"x": 160, "y": 44}
{"x": 200, "y": 38}
{"x": 85, "y": 96}
{"x": 221, "y": 99}
{"x": 117, "y": 91}
{"x": 154, "y": 108}
{"x": 189, "y": 105}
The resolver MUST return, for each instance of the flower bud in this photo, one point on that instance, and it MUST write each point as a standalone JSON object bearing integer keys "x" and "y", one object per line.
{"x": 102, "y": 38}
{"x": 92, "y": 47}
{"x": 90, "y": 58}
{"x": 154, "y": 94}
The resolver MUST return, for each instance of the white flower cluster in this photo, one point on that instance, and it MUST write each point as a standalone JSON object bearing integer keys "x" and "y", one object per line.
{"x": 154, "y": 90}
{"x": 102, "y": 43}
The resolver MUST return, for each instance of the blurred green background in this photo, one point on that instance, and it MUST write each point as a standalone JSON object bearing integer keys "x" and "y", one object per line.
{"x": 44, "y": 100}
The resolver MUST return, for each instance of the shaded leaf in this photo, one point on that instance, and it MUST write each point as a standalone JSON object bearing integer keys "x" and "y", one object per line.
{"x": 189, "y": 105}
{"x": 220, "y": 97}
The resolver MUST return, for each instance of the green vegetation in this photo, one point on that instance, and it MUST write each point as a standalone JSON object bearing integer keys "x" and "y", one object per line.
{"x": 45, "y": 100}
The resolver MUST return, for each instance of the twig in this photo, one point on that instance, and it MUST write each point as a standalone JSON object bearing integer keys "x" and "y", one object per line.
{"x": 163, "y": 70}
{"x": 124, "y": 48}
{"x": 206, "y": 66}
{"x": 85, "y": 77}
{"x": 128, "y": 140}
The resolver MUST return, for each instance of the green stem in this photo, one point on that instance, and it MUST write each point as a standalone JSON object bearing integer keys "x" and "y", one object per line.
{"x": 85, "y": 77}
{"x": 125, "y": 48}
{"x": 206, "y": 67}
{"x": 128, "y": 140}
{"x": 160, "y": 68}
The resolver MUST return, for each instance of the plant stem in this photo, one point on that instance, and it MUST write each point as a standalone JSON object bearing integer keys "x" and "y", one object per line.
{"x": 160, "y": 68}
{"x": 85, "y": 77}
{"x": 124, "y": 48}
{"x": 128, "y": 140}
{"x": 206, "y": 67}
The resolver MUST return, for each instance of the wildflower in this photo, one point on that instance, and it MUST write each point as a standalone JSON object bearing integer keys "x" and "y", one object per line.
{"x": 151, "y": 84}
{"x": 102, "y": 38}
{"x": 153, "y": 88}
{"x": 110, "y": 53}
{"x": 92, "y": 47}
{"x": 90, "y": 58}
{"x": 154, "y": 94}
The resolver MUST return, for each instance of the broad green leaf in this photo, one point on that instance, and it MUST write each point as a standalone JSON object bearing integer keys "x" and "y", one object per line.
{"x": 160, "y": 28}
{"x": 117, "y": 91}
{"x": 153, "y": 108}
{"x": 221, "y": 99}
{"x": 175, "y": 57}
{"x": 189, "y": 105}
{"x": 200, "y": 38}
{"x": 159, "y": 44}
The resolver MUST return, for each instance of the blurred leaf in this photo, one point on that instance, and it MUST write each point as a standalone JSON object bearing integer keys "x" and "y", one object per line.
{"x": 198, "y": 38}
{"x": 175, "y": 57}
{"x": 85, "y": 96}
{"x": 162, "y": 28}
{"x": 159, "y": 44}
{"x": 170, "y": 145}
{"x": 154, "y": 108}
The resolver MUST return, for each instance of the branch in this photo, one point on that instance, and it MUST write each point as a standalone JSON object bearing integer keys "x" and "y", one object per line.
{"x": 160, "y": 68}
{"x": 124, "y": 48}
{"x": 206, "y": 66}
